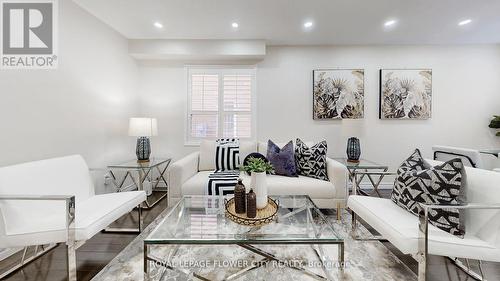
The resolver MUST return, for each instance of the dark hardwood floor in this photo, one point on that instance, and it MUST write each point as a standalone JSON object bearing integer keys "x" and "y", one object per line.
{"x": 103, "y": 247}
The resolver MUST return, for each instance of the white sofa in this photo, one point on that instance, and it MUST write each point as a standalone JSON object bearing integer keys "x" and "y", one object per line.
{"x": 189, "y": 176}
{"x": 482, "y": 222}
{"x": 53, "y": 201}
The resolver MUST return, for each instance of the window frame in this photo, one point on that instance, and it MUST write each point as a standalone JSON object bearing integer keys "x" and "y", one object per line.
{"x": 219, "y": 70}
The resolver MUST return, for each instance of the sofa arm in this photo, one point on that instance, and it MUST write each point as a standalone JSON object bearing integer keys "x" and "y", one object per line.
{"x": 338, "y": 174}
{"x": 180, "y": 172}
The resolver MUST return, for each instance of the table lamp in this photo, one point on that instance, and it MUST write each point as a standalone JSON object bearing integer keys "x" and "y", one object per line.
{"x": 143, "y": 128}
{"x": 353, "y": 128}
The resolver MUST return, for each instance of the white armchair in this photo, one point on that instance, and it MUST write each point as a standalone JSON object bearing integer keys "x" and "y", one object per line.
{"x": 53, "y": 201}
{"x": 470, "y": 157}
{"x": 415, "y": 236}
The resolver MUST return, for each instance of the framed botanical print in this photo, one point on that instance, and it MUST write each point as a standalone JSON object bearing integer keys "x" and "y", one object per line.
{"x": 405, "y": 94}
{"x": 338, "y": 93}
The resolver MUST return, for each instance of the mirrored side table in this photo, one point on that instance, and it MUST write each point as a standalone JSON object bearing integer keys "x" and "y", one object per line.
{"x": 142, "y": 173}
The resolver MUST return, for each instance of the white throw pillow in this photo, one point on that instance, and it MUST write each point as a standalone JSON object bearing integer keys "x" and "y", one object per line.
{"x": 207, "y": 155}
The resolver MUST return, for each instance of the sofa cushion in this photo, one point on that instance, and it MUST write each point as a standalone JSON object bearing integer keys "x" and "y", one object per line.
{"x": 277, "y": 185}
{"x": 401, "y": 229}
{"x": 311, "y": 161}
{"x": 282, "y": 159}
{"x": 207, "y": 153}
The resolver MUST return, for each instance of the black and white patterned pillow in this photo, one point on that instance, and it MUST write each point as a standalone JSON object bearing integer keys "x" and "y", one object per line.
{"x": 227, "y": 155}
{"x": 311, "y": 162}
{"x": 417, "y": 182}
{"x": 414, "y": 163}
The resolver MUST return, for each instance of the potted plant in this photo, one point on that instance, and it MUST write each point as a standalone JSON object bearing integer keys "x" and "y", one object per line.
{"x": 258, "y": 168}
{"x": 495, "y": 124}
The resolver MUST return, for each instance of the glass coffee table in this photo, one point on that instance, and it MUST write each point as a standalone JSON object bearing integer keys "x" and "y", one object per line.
{"x": 174, "y": 247}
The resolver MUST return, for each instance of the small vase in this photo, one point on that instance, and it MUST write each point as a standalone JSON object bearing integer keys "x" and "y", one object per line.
{"x": 251, "y": 201}
{"x": 259, "y": 184}
{"x": 240, "y": 197}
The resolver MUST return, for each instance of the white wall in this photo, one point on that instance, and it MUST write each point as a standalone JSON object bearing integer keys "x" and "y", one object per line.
{"x": 466, "y": 92}
{"x": 80, "y": 108}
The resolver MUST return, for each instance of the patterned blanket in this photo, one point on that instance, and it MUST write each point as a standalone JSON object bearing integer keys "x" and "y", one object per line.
{"x": 222, "y": 183}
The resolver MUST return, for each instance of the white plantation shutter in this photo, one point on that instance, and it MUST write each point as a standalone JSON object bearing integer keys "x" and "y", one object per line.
{"x": 204, "y": 92}
{"x": 221, "y": 103}
{"x": 237, "y": 93}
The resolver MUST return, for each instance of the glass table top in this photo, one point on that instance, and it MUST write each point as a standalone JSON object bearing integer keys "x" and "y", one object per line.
{"x": 202, "y": 220}
{"x": 133, "y": 164}
{"x": 362, "y": 164}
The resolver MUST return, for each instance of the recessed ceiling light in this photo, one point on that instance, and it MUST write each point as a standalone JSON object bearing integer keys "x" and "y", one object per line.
{"x": 158, "y": 25}
{"x": 308, "y": 24}
{"x": 235, "y": 25}
{"x": 464, "y": 22}
{"x": 390, "y": 23}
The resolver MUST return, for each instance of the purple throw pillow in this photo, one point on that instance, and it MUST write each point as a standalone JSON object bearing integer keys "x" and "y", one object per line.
{"x": 283, "y": 160}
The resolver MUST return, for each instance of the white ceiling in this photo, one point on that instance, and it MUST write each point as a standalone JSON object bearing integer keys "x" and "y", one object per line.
{"x": 280, "y": 22}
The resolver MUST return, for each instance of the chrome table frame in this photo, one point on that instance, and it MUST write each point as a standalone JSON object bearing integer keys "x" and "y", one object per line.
{"x": 143, "y": 173}
{"x": 71, "y": 244}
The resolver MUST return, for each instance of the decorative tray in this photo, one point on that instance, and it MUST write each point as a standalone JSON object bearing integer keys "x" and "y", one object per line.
{"x": 264, "y": 216}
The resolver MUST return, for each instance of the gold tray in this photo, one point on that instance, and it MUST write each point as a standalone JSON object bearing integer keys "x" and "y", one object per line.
{"x": 264, "y": 216}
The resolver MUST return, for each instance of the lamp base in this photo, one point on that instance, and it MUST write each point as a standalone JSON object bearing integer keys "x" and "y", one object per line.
{"x": 143, "y": 161}
{"x": 353, "y": 160}
{"x": 143, "y": 149}
{"x": 353, "y": 150}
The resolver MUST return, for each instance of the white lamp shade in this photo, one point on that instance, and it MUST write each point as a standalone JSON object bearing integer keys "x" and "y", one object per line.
{"x": 143, "y": 127}
{"x": 353, "y": 127}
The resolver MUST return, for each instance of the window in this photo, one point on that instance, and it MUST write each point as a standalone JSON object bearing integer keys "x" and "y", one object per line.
{"x": 221, "y": 103}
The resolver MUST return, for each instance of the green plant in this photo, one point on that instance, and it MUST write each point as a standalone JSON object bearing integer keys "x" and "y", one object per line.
{"x": 257, "y": 165}
{"x": 495, "y": 123}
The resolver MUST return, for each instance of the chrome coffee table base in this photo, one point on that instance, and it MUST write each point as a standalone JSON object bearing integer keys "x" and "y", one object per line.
{"x": 267, "y": 258}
